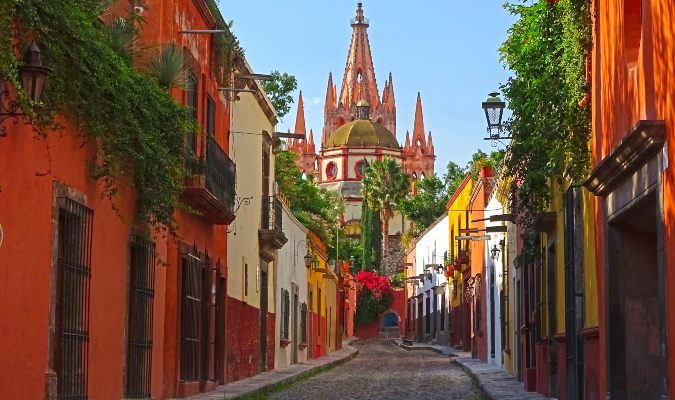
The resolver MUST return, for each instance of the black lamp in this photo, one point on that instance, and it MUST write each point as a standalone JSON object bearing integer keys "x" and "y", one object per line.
{"x": 494, "y": 112}
{"x": 495, "y": 252}
{"x": 309, "y": 259}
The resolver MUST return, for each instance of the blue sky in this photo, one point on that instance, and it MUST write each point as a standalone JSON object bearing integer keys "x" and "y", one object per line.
{"x": 447, "y": 50}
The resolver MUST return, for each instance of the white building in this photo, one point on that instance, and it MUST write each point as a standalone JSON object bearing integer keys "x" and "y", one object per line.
{"x": 291, "y": 292}
{"x": 430, "y": 304}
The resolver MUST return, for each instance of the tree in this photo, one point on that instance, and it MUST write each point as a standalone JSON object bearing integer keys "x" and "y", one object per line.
{"x": 279, "y": 91}
{"x": 427, "y": 205}
{"x": 371, "y": 238}
{"x": 316, "y": 208}
{"x": 385, "y": 185}
{"x": 453, "y": 177}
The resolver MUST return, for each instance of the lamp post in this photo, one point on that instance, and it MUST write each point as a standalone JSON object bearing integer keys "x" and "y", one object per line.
{"x": 32, "y": 75}
{"x": 495, "y": 252}
{"x": 494, "y": 112}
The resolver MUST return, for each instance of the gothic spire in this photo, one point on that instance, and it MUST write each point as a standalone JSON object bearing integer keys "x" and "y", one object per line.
{"x": 418, "y": 126}
{"x": 330, "y": 93}
{"x": 359, "y": 71}
{"x": 300, "y": 117}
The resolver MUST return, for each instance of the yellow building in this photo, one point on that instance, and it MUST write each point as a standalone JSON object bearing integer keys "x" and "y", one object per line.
{"x": 459, "y": 221}
{"x": 317, "y": 295}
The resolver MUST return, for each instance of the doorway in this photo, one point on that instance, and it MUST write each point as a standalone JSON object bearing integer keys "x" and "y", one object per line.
{"x": 294, "y": 347}
{"x": 636, "y": 363}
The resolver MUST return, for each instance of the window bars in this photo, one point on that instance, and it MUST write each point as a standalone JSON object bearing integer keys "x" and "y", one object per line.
{"x": 303, "y": 323}
{"x": 74, "y": 236}
{"x": 196, "y": 287}
{"x": 286, "y": 313}
{"x": 271, "y": 213}
{"x": 141, "y": 294}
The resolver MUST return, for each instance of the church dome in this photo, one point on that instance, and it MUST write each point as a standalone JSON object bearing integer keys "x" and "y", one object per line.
{"x": 362, "y": 133}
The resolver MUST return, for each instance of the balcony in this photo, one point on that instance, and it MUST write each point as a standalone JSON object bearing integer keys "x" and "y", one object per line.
{"x": 270, "y": 236}
{"x": 210, "y": 187}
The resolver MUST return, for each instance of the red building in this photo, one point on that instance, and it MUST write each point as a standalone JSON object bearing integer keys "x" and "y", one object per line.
{"x": 96, "y": 304}
{"x": 633, "y": 122}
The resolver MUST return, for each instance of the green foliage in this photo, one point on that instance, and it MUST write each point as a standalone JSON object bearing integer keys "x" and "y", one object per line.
{"x": 427, "y": 205}
{"x": 137, "y": 127}
{"x": 348, "y": 248}
{"x": 453, "y": 177}
{"x": 384, "y": 185}
{"x": 169, "y": 69}
{"x": 546, "y": 49}
{"x": 371, "y": 238}
{"x": 317, "y": 208}
{"x": 398, "y": 281}
{"x": 480, "y": 159}
{"x": 369, "y": 308}
{"x": 226, "y": 48}
{"x": 279, "y": 90}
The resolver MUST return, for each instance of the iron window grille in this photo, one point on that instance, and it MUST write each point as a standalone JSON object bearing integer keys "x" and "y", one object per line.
{"x": 303, "y": 323}
{"x": 271, "y": 213}
{"x": 141, "y": 294}
{"x": 73, "y": 289}
{"x": 210, "y": 117}
{"x": 220, "y": 173}
{"x": 196, "y": 287}
{"x": 285, "y": 312}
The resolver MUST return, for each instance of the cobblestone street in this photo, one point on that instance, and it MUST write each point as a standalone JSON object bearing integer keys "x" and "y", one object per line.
{"x": 384, "y": 371}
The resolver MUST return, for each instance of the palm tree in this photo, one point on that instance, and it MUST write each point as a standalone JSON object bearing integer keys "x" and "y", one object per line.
{"x": 384, "y": 185}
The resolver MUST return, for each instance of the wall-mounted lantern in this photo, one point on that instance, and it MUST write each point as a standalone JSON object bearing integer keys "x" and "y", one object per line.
{"x": 32, "y": 75}
{"x": 494, "y": 112}
{"x": 495, "y": 252}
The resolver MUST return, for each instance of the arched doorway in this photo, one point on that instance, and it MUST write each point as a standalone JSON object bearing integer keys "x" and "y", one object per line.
{"x": 390, "y": 320}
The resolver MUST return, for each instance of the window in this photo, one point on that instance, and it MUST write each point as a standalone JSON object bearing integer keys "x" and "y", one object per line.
{"x": 360, "y": 168}
{"x": 318, "y": 301}
{"x": 210, "y": 117}
{"x": 303, "y": 323}
{"x": 191, "y": 103}
{"x": 74, "y": 232}
{"x": 331, "y": 170}
{"x": 443, "y": 312}
{"x": 285, "y": 313}
{"x": 427, "y": 329}
{"x": 195, "y": 294}
{"x": 245, "y": 279}
{"x": 141, "y": 294}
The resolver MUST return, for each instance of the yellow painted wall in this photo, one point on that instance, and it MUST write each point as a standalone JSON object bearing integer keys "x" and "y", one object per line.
{"x": 590, "y": 277}
{"x": 458, "y": 217}
{"x": 246, "y": 142}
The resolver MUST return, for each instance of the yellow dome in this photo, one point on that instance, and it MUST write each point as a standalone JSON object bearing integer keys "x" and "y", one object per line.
{"x": 362, "y": 133}
{"x": 363, "y": 103}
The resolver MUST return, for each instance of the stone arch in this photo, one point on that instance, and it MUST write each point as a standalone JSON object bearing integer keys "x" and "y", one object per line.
{"x": 390, "y": 320}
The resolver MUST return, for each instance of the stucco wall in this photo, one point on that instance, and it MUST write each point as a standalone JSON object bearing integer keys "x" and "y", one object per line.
{"x": 291, "y": 274}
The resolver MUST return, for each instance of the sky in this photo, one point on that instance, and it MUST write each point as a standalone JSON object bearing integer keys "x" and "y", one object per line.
{"x": 445, "y": 49}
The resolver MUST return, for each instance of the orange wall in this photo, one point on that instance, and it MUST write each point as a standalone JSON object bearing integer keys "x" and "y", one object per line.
{"x": 619, "y": 102}
{"x": 29, "y": 167}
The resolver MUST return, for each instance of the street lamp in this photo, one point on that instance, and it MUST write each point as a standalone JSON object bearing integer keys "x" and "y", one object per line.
{"x": 494, "y": 112}
{"x": 32, "y": 75}
{"x": 495, "y": 252}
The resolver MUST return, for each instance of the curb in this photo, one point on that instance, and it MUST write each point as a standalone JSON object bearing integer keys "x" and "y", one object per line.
{"x": 417, "y": 348}
{"x": 474, "y": 378}
{"x": 270, "y": 387}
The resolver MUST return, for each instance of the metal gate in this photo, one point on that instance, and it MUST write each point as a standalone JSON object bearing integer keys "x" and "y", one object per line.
{"x": 194, "y": 316}
{"x": 141, "y": 294}
{"x": 72, "y": 315}
{"x": 573, "y": 296}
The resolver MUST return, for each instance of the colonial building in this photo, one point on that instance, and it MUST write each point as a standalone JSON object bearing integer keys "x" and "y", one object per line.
{"x": 359, "y": 128}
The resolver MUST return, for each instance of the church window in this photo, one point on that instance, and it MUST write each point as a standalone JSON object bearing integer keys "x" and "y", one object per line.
{"x": 359, "y": 76}
{"x": 422, "y": 175}
{"x": 360, "y": 168}
{"x": 331, "y": 170}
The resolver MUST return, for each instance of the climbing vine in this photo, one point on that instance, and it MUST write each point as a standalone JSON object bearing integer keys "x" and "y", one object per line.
{"x": 136, "y": 125}
{"x": 550, "y": 123}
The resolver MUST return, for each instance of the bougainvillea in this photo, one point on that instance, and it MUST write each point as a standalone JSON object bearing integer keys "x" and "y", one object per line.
{"x": 374, "y": 297}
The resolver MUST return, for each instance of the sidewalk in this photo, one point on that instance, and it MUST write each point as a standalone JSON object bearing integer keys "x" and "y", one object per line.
{"x": 493, "y": 381}
{"x": 266, "y": 381}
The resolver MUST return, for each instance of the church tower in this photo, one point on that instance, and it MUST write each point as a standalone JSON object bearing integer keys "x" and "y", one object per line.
{"x": 358, "y": 83}
{"x": 419, "y": 153}
{"x": 305, "y": 149}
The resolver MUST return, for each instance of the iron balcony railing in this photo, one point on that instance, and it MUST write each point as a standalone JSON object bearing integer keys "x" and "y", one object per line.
{"x": 220, "y": 173}
{"x": 271, "y": 213}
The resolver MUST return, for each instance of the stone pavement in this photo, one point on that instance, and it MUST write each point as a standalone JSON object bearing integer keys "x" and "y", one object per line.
{"x": 266, "y": 381}
{"x": 493, "y": 381}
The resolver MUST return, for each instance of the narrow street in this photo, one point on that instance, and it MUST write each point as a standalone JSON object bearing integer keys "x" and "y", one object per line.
{"x": 384, "y": 371}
